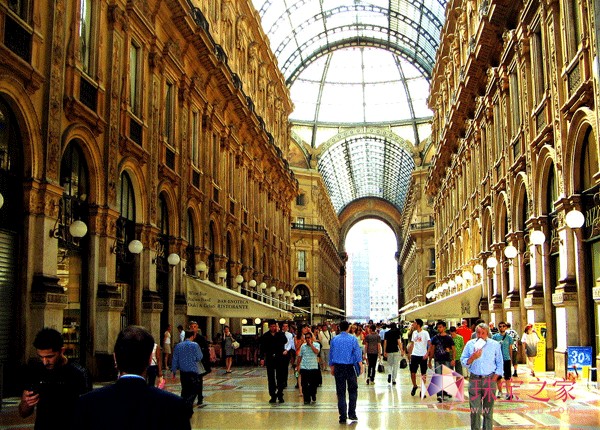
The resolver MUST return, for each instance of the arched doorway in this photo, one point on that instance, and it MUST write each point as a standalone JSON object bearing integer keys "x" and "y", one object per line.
{"x": 11, "y": 228}
{"x": 125, "y": 263}
{"x": 73, "y": 255}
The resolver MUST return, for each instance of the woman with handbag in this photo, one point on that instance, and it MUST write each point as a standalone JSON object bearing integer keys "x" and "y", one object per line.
{"x": 530, "y": 340}
{"x": 228, "y": 347}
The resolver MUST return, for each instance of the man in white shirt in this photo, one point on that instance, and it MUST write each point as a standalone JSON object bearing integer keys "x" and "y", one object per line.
{"x": 325, "y": 336}
{"x": 290, "y": 347}
{"x": 417, "y": 350}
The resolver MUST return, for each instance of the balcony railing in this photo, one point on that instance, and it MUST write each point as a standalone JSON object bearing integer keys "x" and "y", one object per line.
{"x": 422, "y": 225}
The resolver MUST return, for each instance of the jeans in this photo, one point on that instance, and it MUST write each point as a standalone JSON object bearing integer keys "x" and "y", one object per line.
{"x": 438, "y": 370}
{"x": 345, "y": 374}
{"x": 151, "y": 374}
{"x": 191, "y": 386}
{"x": 393, "y": 361}
{"x": 372, "y": 359}
{"x": 325, "y": 358}
{"x": 482, "y": 393}
{"x": 276, "y": 374}
{"x": 310, "y": 382}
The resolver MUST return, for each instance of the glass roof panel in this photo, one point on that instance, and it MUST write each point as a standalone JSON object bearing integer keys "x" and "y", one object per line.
{"x": 353, "y": 63}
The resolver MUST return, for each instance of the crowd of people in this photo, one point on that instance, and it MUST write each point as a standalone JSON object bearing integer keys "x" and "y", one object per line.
{"x": 484, "y": 354}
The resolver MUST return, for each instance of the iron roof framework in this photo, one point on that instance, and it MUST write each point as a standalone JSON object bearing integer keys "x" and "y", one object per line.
{"x": 354, "y": 63}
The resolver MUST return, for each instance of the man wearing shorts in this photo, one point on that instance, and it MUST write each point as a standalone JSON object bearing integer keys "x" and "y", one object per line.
{"x": 418, "y": 352}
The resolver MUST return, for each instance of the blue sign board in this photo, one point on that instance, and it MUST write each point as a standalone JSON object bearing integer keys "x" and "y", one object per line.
{"x": 579, "y": 356}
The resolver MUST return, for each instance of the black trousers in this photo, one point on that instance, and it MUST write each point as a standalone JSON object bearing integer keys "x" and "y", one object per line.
{"x": 276, "y": 374}
{"x": 310, "y": 383}
{"x": 372, "y": 359}
{"x": 191, "y": 386}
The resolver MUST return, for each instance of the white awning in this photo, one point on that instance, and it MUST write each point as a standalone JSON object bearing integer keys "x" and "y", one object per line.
{"x": 205, "y": 298}
{"x": 462, "y": 304}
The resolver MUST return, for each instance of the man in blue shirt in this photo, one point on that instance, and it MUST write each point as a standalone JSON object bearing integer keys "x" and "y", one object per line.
{"x": 186, "y": 357}
{"x": 483, "y": 357}
{"x": 345, "y": 353}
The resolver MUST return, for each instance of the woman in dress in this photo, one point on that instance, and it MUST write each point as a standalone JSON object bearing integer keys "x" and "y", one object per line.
{"x": 530, "y": 340}
{"x": 228, "y": 340}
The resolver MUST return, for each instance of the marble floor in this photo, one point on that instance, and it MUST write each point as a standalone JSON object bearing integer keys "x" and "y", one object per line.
{"x": 239, "y": 400}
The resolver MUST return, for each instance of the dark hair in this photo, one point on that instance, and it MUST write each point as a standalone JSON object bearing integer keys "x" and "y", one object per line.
{"x": 393, "y": 326}
{"x": 419, "y": 322}
{"x": 48, "y": 338}
{"x": 452, "y": 329}
{"x": 373, "y": 327}
{"x": 344, "y": 325}
{"x": 442, "y": 323}
{"x": 132, "y": 349}
{"x": 271, "y": 322}
{"x": 180, "y": 327}
{"x": 188, "y": 334}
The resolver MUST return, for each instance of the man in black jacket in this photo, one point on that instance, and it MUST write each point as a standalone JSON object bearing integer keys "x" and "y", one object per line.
{"x": 273, "y": 354}
{"x": 131, "y": 404}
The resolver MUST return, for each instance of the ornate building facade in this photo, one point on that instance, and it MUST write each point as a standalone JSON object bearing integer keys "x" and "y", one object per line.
{"x": 317, "y": 266}
{"x": 516, "y": 173}
{"x": 141, "y": 142}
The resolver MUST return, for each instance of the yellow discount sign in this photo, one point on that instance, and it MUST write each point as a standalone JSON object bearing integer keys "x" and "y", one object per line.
{"x": 539, "y": 365}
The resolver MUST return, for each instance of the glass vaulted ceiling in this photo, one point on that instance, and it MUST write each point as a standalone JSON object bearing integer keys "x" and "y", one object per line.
{"x": 353, "y": 63}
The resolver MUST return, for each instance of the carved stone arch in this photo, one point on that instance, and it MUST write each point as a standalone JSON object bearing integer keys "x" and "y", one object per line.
{"x": 487, "y": 231}
{"x": 165, "y": 188}
{"x": 87, "y": 143}
{"x": 520, "y": 202}
{"x": 369, "y": 132}
{"x": 234, "y": 243}
{"x": 466, "y": 245}
{"x": 502, "y": 219}
{"x": 369, "y": 208}
{"x": 136, "y": 176}
{"x": 215, "y": 228}
{"x": 192, "y": 208}
{"x": 299, "y": 155}
{"x": 27, "y": 119}
{"x": 546, "y": 161}
{"x": 583, "y": 120}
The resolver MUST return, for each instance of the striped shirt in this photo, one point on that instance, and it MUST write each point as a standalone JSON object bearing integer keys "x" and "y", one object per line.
{"x": 309, "y": 358}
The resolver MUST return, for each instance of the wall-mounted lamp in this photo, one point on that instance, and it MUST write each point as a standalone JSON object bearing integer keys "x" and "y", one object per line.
{"x": 201, "y": 267}
{"x": 510, "y": 252}
{"x": 574, "y": 219}
{"x": 244, "y": 321}
{"x": 257, "y": 321}
{"x": 491, "y": 262}
{"x": 468, "y": 276}
{"x": 537, "y": 237}
{"x": 135, "y": 246}
{"x": 222, "y": 321}
{"x": 239, "y": 279}
{"x": 173, "y": 259}
{"x": 287, "y": 294}
{"x": 252, "y": 283}
{"x": 273, "y": 289}
{"x": 478, "y": 269}
{"x": 77, "y": 230}
{"x": 280, "y": 292}
{"x": 298, "y": 297}
{"x": 263, "y": 286}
